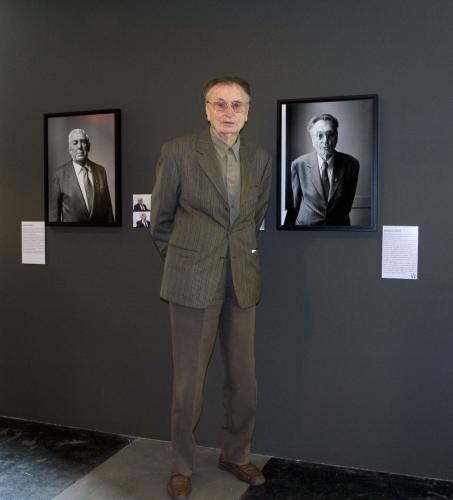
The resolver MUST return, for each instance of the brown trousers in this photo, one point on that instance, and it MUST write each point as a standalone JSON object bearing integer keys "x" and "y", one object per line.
{"x": 194, "y": 333}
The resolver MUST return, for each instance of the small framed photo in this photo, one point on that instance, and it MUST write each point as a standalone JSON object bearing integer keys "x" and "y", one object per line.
{"x": 141, "y": 219}
{"x": 82, "y": 168}
{"x": 141, "y": 202}
{"x": 327, "y": 163}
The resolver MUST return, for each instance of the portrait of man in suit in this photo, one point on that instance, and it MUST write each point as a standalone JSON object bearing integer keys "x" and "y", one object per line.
{"x": 140, "y": 206}
{"x": 209, "y": 199}
{"x": 79, "y": 190}
{"x": 143, "y": 221}
{"x": 324, "y": 181}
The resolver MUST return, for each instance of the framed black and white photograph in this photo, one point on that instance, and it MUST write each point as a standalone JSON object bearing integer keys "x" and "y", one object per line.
{"x": 82, "y": 168}
{"x": 327, "y": 163}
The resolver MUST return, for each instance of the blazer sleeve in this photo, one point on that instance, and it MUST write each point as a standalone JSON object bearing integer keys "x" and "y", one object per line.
{"x": 296, "y": 185}
{"x": 165, "y": 198}
{"x": 55, "y": 199}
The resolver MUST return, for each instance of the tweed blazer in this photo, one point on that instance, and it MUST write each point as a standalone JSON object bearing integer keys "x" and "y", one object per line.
{"x": 190, "y": 222}
{"x": 309, "y": 202}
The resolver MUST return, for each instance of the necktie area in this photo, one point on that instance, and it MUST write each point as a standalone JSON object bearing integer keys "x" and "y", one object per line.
{"x": 88, "y": 189}
{"x": 325, "y": 180}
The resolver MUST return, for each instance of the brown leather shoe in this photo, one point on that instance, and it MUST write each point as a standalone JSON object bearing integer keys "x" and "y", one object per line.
{"x": 179, "y": 486}
{"x": 248, "y": 473}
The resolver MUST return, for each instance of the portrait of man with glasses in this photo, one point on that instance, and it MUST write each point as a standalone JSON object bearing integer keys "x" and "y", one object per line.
{"x": 209, "y": 199}
{"x": 324, "y": 182}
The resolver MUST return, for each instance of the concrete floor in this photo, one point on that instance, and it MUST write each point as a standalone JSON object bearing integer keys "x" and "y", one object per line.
{"x": 141, "y": 469}
{"x": 47, "y": 462}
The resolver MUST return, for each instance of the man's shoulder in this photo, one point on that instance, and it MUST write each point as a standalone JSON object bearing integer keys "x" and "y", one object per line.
{"x": 305, "y": 160}
{"x": 345, "y": 159}
{"x": 95, "y": 166}
{"x": 183, "y": 142}
{"x": 347, "y": 162}
{"x": 202, "y": 141}
{"x": 260, "y": 153}
{"x": 65, "y": 166}
{"x": 64, "y": 170}
{"x": 255, "y": 148}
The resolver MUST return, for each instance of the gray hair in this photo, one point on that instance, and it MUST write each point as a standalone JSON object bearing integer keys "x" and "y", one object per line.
{"x": 227, "y": 80}
{"x": 325, "y": 117}
{"x": 78, "y": 131}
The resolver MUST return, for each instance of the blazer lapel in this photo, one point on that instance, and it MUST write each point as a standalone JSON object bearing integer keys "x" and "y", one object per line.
{"x": 96, "y": 184}
{"x": 338, "y": 172}
{"x": 315, "y": 176}
{"x": 207, "y": 158}
{"x": 247, "y": 174}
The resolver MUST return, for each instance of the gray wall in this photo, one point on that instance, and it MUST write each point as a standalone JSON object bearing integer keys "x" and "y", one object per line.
{"x": 353, "y": 370}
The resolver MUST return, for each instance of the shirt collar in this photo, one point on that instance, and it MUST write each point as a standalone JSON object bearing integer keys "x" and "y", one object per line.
{"x": 222, "y": 148}
{"x": 321, "y": 161}
{"x": 79, "y": 169}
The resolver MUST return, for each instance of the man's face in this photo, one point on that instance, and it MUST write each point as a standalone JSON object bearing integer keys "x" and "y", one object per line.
{"x": 228, "y": 122}
{"x": 140, "y": 201}
{"x": 79, "y": 147}
{"x": 324, "y": 138}
{"x": 143, "y": 217}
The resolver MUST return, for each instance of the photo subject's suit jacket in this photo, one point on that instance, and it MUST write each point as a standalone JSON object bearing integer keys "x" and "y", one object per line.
{"x": 66, "y": 202}
{"x": 308, "y": 196}
{"x": 190, "y": 221}
{"x": 138, "y": 208}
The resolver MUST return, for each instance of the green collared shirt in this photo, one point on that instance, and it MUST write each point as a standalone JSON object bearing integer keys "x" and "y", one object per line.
{"x": 230, "y": 168}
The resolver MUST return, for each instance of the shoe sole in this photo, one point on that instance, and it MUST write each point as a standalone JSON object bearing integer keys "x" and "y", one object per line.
{"x": 237, "y": 476}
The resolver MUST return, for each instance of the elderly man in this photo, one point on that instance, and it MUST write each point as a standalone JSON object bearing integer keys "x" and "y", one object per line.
{"x": 210, "y": 196}
{"x": 324, "y": 182}
{"x": 79, "y": 191}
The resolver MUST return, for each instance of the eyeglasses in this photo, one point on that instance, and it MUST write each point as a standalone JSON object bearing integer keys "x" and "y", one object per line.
{"x": 222, "y": 106}
{"x": 328, "y": 135}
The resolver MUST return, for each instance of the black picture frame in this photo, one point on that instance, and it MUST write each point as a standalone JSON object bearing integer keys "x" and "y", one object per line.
{"x": 297, "y": 190}
{"x": 65, "y": 204}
